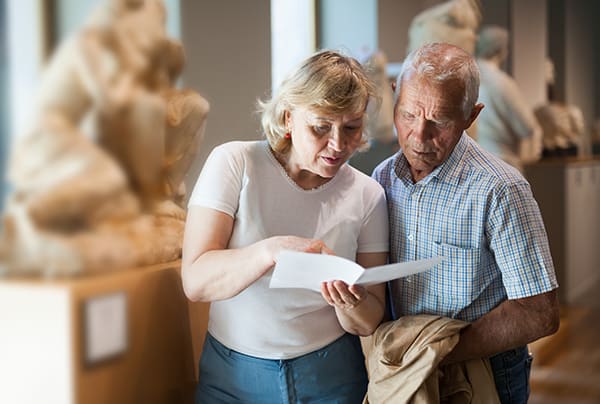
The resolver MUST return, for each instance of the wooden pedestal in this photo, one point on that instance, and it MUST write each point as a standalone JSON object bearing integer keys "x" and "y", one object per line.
{"x": 568, "y": 193}
{"x": 45, "y": 341}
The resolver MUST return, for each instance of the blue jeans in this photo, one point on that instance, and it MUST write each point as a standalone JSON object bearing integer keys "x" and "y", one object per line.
{"x": 511, "y": 373}
{"x": 333, "y": 374}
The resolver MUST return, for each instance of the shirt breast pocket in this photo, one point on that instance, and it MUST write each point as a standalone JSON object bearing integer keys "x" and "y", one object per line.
{"x": 457, "y": 276}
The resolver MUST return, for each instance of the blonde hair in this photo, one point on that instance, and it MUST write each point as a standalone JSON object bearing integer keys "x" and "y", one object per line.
{"x": 327, "y": 82}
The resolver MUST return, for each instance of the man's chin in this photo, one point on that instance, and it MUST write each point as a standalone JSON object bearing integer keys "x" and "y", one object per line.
{"x": 421, "y": 163}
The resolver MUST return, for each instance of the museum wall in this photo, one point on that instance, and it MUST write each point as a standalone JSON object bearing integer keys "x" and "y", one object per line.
{"x": 528, "y": 48}
{"x": 575, "y": 49}
{"x": 335, "y": 16}
{"x": 394, "y": 17}
{"x": 227, "y": 43}
{"x": 581, "y": 18}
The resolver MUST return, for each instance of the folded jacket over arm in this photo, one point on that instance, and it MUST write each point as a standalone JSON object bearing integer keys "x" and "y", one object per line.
{"x": 403, "y": 358}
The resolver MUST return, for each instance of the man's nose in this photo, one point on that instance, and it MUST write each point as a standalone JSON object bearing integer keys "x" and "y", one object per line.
{"x": 420, "y": 128}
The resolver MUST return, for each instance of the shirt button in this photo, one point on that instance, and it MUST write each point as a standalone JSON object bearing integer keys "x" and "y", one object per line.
{"x": 411, "y": 237}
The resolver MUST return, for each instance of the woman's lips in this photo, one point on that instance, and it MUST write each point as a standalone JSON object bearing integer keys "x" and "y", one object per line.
{"x": 332, "y": 160}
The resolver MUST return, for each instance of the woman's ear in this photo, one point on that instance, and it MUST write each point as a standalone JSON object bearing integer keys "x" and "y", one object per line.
{"x": 287, "y": 119}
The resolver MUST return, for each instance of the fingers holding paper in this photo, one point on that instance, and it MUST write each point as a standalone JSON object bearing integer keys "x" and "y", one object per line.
{"x": 341, "y": 295}
{"x": 359, "y": 309}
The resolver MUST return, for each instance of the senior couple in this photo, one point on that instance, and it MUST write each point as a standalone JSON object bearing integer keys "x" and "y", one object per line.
{"x": 441, "y": 194}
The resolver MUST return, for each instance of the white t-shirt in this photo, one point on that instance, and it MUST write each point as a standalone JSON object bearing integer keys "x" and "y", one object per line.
{"x": 349, "y": 213}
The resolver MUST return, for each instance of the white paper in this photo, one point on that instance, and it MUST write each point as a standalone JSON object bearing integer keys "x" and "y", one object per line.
{"x": 306, "y": 270}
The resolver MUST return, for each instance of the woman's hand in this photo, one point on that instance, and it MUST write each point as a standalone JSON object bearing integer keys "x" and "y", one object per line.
{"x": 279, "y": 243}
{"x": 359, "y": 309}
{"x": 342, "y": 296}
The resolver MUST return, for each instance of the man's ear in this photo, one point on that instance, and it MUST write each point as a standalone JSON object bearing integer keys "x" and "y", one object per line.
{"x": 474, "y": 114}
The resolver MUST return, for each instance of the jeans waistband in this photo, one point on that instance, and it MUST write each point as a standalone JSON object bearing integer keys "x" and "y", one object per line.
{"x": 511, "y": 355}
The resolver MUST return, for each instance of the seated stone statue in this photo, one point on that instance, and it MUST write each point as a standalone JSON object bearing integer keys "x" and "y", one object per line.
{"x": 98, "y": 179}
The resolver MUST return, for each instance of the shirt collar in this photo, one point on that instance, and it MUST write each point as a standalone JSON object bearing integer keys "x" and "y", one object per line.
{"x": 449, "y": 171}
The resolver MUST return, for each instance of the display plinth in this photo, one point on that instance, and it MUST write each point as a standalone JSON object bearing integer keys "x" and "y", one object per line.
{"x": 568, "y": 193}
{"x": 124, "y": 337}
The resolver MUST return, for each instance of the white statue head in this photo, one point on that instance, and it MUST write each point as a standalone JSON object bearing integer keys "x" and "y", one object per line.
{"x": 454, "y": 22}
{"x": 492, "y": 43}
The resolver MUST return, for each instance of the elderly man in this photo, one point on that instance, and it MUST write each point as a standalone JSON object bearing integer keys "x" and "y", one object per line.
{"x": 448, "y": 197}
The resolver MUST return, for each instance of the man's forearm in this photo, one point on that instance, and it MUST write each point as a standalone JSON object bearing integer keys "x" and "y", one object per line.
{"x": 512, "y": 324}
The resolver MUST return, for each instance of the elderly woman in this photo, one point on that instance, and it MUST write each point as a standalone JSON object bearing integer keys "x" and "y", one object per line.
{"x": 293, "y": 191}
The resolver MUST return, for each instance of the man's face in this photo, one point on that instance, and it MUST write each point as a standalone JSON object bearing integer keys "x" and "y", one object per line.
{"x": 429, "y": 121}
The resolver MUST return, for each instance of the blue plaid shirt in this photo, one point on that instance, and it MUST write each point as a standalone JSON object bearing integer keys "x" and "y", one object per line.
{"x": 480, "y": 215}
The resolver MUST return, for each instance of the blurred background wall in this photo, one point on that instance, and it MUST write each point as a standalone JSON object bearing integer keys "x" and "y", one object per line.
{"x": 237, "y": 49}
{"x": 228, "y": 47}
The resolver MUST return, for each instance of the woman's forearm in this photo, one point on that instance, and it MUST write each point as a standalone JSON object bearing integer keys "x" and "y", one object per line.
{"x": 222, "y": 274}
{"x": 364, "y": 318}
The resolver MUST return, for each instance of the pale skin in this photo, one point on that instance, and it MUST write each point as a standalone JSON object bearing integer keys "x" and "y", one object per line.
{"x": 430, "y": 121}
{"x": 211, "y": 271}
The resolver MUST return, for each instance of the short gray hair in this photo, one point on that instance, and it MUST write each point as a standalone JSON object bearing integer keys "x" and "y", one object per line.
{"x": 440, "y": 63}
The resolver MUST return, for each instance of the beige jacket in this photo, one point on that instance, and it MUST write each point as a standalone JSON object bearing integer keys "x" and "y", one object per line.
{"x": 403, "y": 358}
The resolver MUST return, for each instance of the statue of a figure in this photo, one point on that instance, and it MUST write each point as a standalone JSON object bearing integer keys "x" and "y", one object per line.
{"x": 98, "y": 179}
{"x": 563, "y": 125}
{"x": 454, "y": 21}
{"x": 506, "y": 126}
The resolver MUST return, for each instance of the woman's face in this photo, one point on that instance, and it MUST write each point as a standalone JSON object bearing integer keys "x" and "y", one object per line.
{"x": 321, "y": 144}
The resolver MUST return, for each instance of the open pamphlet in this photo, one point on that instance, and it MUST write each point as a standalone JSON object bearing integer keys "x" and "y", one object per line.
{"x": 307, "y": 270}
